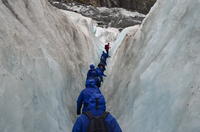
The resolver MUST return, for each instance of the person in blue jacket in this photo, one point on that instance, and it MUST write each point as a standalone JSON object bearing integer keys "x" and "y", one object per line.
{"x": 98, "y": 81}
{"x": 102, "y": 66}
{"x": 82, "y": 122}
{"x": 92, "y": 72}
{"x": 95, "y": 74}
{"x": 104, "y": 55}
{"x": 100, "y": 73}
{"x": 103, "y": 58}
{"x": 91, "y": 88}
{"x": 103, "y": 61}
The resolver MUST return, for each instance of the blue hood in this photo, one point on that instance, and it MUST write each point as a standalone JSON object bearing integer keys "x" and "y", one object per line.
{"x": 92, "y": 66}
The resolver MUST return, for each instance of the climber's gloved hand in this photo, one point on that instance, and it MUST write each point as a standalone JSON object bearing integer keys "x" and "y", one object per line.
{"x": 104, "y": 75}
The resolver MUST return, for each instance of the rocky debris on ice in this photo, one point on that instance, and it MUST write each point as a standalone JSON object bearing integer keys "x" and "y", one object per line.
{"x": 142, "y": 6}
{"x": 105, "y": 17}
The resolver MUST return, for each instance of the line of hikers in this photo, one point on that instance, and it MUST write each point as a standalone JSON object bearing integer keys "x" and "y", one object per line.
{"x": 94, "y": 117}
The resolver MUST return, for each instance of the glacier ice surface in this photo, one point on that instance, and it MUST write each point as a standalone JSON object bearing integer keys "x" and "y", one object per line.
{"x": 153, "y": 82}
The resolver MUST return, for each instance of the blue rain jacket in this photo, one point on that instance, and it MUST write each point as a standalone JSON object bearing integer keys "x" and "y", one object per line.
{"x": 102, "y": 66}
{"x": 82, "y": 122}
{"x": 91, "y": 73}
{"x": 104, "y": 55}
{"x": 85, "y": 94}
{"x": 100, "y": 72}
{"x": 103, "y": 61}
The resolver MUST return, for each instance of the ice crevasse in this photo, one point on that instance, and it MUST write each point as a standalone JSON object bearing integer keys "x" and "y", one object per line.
{"x": 153, "y": 84}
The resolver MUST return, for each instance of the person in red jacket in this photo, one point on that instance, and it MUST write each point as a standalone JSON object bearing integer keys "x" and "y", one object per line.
{"x": 107, "y": 47}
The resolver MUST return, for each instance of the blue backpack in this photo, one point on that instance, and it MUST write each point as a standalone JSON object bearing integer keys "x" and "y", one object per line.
{"x": 97, "y": 123}
{"x": 96, "y": 101}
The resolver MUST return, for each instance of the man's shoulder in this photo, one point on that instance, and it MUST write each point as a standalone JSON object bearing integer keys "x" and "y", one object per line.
{"x": 84, "y": 91}
{"x": 110, "y": 118}
{"x": 83, "y": 118}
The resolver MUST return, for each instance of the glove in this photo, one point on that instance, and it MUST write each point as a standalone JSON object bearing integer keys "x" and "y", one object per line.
{"x": 104, "y": 75}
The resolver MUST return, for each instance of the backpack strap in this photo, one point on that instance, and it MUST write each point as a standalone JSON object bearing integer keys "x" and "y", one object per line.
{"x": 89, "y": 115}
{"x": 104, "y": 115}
{"x": 97, "y": 103}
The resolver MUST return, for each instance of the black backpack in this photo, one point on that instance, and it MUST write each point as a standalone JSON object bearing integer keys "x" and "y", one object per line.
{"x": 97, "y": 123}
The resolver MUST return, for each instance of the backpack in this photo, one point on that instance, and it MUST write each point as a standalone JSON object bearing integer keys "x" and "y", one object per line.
{"x": 97, "y": 123}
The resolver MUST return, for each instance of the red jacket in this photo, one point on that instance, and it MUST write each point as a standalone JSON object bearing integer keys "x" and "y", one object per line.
{"x": 107, "y": 46}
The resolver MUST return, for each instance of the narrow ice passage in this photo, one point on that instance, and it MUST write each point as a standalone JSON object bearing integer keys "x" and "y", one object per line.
{"x": 91, "y": 103}
{"x": 153, "y": 81}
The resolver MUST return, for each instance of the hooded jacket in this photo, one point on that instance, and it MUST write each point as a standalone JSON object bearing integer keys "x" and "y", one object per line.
{"x": 85, "y": 95}
{"x": 92, "y": 72}
{"x": 104, "y": 55}
{"x": 103, "y": 61}
{"x": 100, "y": 74}
{"x": 82, "y": 122}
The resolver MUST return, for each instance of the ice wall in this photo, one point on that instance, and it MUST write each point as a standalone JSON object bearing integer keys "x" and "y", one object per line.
{"x": 43, "y": 61}
{"x": 154, "y": 85}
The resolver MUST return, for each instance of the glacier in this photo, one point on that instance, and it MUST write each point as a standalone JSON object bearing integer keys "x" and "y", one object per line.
{"x": 156, "y": 73}
{"x": 43, "y": 61}
{"x": 153, "y": 82}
